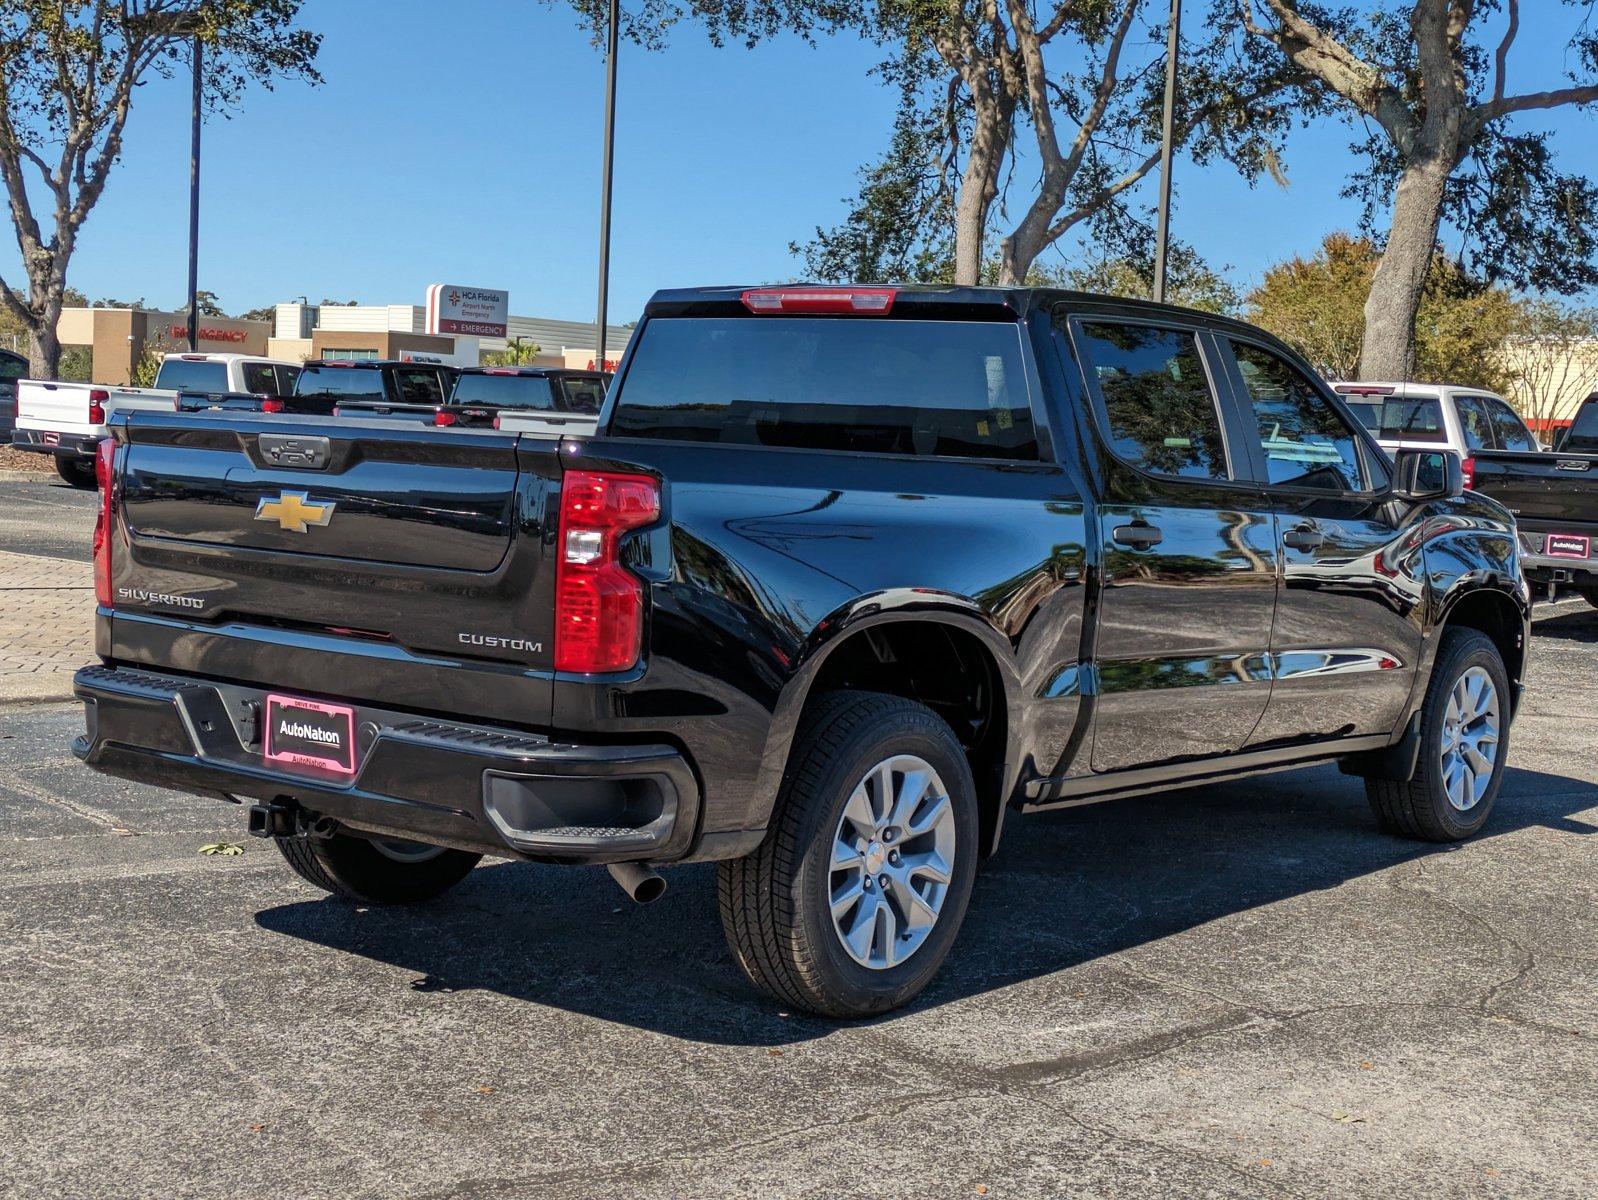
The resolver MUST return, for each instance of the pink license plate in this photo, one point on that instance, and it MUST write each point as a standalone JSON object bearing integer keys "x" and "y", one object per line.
{"x": 309, "y": 733}
{"x": 1567, "y": 545}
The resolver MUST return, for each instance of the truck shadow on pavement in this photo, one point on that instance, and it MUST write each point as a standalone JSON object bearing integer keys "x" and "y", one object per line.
{"x": 1067, "y": 888}
{"x": 1570, "y": 627}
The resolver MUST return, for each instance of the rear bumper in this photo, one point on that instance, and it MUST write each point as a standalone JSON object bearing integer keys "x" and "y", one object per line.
{"x": 47, "y": 441}
{"x": 1544, "y": 568}
{"x": 494, "y": 791}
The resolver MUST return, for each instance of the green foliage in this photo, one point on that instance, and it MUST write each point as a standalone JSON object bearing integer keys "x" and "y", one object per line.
{"x": 1317, "y": 306}
{"x": 518, "y": 352}
{"x": 1189, "y": 280}
{"x": 69, "y": 72}
{"x": 77, "y": 364}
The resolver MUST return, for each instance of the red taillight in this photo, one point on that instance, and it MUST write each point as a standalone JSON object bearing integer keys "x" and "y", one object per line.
{"x": 496, "y": 420}
{"x": 271, "y": 404}
{"x": 865, "y": 302}
{"x": 1365, "y": 389}
{"x": 97, "y": 400}
{"x": 1467, "y": 472}
{"x": 444, "y": 418}
{"x": 104, "y": 524}
{"x": 599, "y": 604}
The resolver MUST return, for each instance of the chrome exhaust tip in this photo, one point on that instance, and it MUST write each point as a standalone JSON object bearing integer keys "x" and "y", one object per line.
{"x": 641, "y": 884}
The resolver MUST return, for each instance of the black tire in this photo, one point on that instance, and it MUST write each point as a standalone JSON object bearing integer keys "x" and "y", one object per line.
{"x": 1590, "y": 595}
{"x": 1418, "y": 807}
{"x": 355, "y": 869}
{"x": 775, "y": 908}
{"x": 75, "y": 471}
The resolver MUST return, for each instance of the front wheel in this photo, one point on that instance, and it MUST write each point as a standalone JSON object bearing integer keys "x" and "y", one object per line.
{"x": 376, "y": 871}
{"x": 1464, "y": 739}
{"x": 75, "y": 471}
{"x": 852, "y": 902}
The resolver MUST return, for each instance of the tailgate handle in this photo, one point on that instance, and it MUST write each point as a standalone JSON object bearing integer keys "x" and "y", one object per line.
{"x": 291, "y": 450}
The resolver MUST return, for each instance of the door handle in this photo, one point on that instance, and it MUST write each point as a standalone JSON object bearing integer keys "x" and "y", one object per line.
{"x": 1139, "y": 535}
{"x": 1304, "y": 537}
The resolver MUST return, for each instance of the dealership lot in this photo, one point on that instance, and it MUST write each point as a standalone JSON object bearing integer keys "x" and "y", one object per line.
{"x": 1232, "y": 991}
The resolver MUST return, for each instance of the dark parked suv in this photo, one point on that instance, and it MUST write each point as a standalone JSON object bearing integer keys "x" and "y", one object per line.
{"x": 12, "y": 368}
{"x": 844, "y": 576}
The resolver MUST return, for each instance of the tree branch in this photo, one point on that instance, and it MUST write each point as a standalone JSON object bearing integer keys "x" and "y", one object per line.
{"x": 1491, "y": 110}
{"x": 1501, "y": 58}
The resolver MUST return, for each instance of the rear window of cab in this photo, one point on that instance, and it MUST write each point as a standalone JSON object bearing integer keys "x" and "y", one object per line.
{"x": 881, "y": 386}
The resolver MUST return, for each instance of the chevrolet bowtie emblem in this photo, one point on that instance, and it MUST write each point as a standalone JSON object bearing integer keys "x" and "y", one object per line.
{"x": 295, "y": 511}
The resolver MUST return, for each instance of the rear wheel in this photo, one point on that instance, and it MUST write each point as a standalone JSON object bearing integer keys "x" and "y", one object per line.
{"x": 75, "y": 471}
{"x": 851, "y": 904}
{"x": 1464, "y": 740}
{"x": 1590, "y": 595}
{"x": 376, "y": 871}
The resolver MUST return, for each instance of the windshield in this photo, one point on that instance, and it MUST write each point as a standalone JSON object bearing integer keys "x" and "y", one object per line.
{"x": 191, "y": 375}
{"x": 953, "y": 388}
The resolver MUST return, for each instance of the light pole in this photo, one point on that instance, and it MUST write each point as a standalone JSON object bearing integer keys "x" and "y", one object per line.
{"x": 604, "y": 184}
{"x": 1162, "y": 235}
{"x": 194, "y": 201}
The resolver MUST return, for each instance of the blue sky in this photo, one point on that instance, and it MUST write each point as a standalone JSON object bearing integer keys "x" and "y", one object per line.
{"x": 460, "y": 142}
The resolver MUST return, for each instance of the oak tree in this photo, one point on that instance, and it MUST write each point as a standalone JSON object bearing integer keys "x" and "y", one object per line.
{"x": 69, "y": 71}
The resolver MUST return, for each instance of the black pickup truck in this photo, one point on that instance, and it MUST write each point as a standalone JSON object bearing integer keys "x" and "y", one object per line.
{"x": 844, "y": 575}
{"x": 1554, "y": 498}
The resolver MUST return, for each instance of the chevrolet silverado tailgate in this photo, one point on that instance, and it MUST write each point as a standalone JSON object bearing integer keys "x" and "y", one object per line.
{"x": 385, "y": 544}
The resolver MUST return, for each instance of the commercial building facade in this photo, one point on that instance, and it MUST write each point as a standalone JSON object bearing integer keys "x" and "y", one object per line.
{"x": 120, "y": 337}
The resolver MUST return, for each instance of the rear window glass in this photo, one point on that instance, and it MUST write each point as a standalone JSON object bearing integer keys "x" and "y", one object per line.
{"x": 188, "y": 375}
{"x": 1368, "y": 414}
{"x": 340, "y": 381}
{"x": 953, "y": 388}
{"x": 503, "y": 391}
{"x": 1412, "y": 420}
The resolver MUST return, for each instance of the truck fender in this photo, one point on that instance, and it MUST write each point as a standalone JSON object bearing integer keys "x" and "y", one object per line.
{"x": 892, "y": 606}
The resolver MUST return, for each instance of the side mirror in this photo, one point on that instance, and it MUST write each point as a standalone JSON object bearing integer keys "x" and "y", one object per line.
{"x": 1427, "y": 475}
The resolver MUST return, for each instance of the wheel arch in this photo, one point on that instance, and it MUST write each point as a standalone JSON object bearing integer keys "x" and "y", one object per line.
{"x": 937, "y": 649}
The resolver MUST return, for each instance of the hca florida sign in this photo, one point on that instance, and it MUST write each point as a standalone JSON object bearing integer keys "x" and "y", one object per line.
{"x": 471, "y": 311}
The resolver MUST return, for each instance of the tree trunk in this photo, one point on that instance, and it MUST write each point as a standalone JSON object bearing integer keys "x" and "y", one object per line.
{"x": 978, "y": 188}
{"x": 1389, "y": 348}
{"x": 44, "y": 348}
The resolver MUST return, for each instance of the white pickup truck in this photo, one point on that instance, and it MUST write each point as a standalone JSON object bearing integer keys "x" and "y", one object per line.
{"x": 67, "y": 420}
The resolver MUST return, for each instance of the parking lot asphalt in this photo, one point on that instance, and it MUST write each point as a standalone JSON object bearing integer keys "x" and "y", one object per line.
{"x": 1235, "y": 991}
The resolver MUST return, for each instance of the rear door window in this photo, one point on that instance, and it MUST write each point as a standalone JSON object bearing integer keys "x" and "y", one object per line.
{"x": 875, "y": 385}
{"x": 1306, "y": 441}
{"x": 1154, "y": 398}
{"x": 260, "y": 378}
{"x": 1473, "y": 424}
{"x": 582, "y": 395}
{"x": 1509, "y": 431}
{"x": 418, "y": 386}
{"x": 1583, "y": 435}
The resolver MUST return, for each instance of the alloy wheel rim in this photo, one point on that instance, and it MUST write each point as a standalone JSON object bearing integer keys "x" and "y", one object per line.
{"x": 1469, "y": 750}
{"x": 892, "y": 862}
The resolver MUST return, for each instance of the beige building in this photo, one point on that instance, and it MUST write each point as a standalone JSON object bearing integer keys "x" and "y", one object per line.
{"x": 119, "y": 337}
